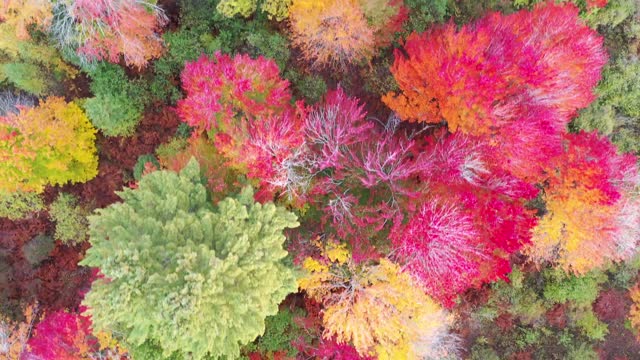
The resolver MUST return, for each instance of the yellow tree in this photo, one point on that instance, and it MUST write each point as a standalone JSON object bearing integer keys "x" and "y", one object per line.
{"x": 51, "y": 144}
{"x": 332, "y": 33}
{"x": 376, "y": 307}
{"x": 19, "y": 14}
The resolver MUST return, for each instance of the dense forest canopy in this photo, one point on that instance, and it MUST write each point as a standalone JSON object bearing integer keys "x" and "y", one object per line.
{"x": 302, "y": 179}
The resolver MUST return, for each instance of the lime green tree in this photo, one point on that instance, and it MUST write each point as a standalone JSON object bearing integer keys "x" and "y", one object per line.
{"x": 195, "y": 280}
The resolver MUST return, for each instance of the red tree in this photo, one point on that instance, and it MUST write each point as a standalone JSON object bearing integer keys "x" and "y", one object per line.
{"x": 108, "y": 29}
{"x": 222, "y": 90}
{"x": 472, "y": 219}
{"x": 62, "y": 336}
{"x": 502, "y": 77}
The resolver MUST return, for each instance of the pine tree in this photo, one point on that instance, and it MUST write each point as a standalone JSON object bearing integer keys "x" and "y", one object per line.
{"x": 185, "y": 275}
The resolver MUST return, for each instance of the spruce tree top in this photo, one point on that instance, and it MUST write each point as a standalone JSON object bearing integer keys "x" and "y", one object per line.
{"x": 191, "y": 277}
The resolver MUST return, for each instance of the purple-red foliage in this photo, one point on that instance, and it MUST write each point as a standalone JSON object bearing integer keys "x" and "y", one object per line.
{"x": 55, "y": 283}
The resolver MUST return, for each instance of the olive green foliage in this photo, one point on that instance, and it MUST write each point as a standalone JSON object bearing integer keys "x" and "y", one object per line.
{"x": 70, "y": 219}
{"x": 593, "y": 328}
{"x": 230, "y": 8}
{"x": 616, "y": 112}
{"x": 521, "y": 298}
{"x": 37, "y": 249}
{"x": 181, "y": 46}
{"x": 26, "y": 76}
{"x": 582, "y": 351}
{"x": 581, "y": 291}
{"x": 379, "y": 79}
{"x": 526, "y": 300}
{"x": 190, "y": 277}
{"x": 30, "y": 65}
{"x": 619, "y": 23}
{"x": 280, "y": 331}
{"x": 311, "y": 88}
{"x": 623, "y": 275}
{"x": 17, "y": 205}
{"x": 118, "y": 104}
{"x": 270, "y": 45}
{"x": 275, "y": 9}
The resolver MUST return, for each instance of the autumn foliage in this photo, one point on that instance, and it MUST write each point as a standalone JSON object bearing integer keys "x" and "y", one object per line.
{"x": 245, "y": 108}
{"x": 336, "y": 33}
{"x": 377, "y": 308}
{"x": 221, "y": 90}
{"x": 593, "y": 215}
{"x": 63, "y": 336}
{"x": 502, "y": 77}
{"x": 109, "y": 29}
{"x": 20, "y": 14}
{"x": 50, "y": 144}
{"x": 475, "y": 77}
{"x": 473, "y": 217}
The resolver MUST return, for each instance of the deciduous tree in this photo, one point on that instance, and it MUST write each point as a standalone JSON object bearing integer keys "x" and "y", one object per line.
{"x": 592, "y": 212}
{"x": 51, "y": 144}
{"x": 376, "y": 307}
{"x": 108, "y": 29}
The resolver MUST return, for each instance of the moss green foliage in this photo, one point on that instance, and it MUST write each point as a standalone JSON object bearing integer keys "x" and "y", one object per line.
{"x": 118, "y": 103}
{"x": 521, "y": 298}
{"x": 37, "y": 249}
{"x": 311, "y": 88}
{"x": 616, "y": 112}
{"x": 424, "y": 13}
{"x": 379, "y": 79}
{"x": 280, "y": 331}
{"x": 183, "y": 45}
{"x": 582, "y": 351}
{"x": 138, "y": 169}
{"x": 593, "y": 328}
{"x": 70, "y": 219}
{"x": 581, "y": 291}
{"x": 619, "y": 23}
{"x": 19, "y": 204}
{"x": 27, "y": 77}
{"x": 193, "y": 278}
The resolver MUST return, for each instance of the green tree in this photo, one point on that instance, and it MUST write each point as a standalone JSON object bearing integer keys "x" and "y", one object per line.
{"x": 616, "y": 112}
{"x": 17, "y": 205}
{"x": 118, "y": 104}
{"x": 196, "y": 279}
{"x": 71, "y": 221}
